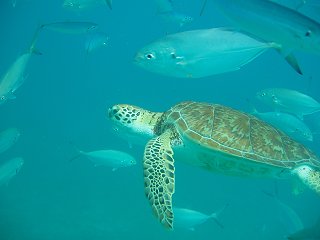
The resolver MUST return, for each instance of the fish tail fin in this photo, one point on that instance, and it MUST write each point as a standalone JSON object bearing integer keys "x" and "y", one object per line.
{"x": 215, "y": 215}
{"x": 75, "y": 157}
{"x": 32, "y": 48}
{"x": 78, "y": 153}
{"x": 253, "y": 110}
{"x": 109, "y": 3}
{"x": 289, "y": 57}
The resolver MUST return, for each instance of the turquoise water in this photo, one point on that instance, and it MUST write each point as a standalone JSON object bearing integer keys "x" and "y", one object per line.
{"x": 63, "y": 104}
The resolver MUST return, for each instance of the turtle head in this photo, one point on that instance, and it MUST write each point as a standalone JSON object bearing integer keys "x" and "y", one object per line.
{"x": 132, "y": 122}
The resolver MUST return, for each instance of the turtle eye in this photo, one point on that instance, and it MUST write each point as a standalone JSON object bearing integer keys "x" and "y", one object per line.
{"x": 149, "y": 56}
{"x": 263, "y": 94}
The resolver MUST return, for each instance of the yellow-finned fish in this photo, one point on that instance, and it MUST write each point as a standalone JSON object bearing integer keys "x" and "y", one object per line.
{"x": 273, "y": 22}
{"x": 288, "y": 100}
{"x": 200, "y": 53}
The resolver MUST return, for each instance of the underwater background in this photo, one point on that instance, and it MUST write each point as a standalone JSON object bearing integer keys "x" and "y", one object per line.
{"x": 62, "y": 106}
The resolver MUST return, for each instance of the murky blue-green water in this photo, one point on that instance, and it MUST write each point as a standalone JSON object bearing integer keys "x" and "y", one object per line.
{"x": 63, "y": 104}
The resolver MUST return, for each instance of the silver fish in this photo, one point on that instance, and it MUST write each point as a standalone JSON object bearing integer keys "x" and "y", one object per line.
{"x": 109, "y": 158}
{"x": 96, "y": 41}
{"x": 291, "y": 125}
{"x": 71, "y": 27}
{"x": 9, "y": 169}
{"x": 273, "y": 22}
{"x": 200, "y": 53}
{"x": 8, "y": 137}
{"x": 13, "y": 78}
{"x": 290, "y": 101}
{"x": 188, "y": 218}
{"x": 79, "y": 5}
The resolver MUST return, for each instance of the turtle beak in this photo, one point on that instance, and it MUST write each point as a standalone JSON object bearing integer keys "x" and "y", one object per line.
{"x": 112, "y": 112}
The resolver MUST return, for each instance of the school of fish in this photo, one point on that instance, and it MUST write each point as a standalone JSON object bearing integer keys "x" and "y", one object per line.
{"x": 196, "y": 53}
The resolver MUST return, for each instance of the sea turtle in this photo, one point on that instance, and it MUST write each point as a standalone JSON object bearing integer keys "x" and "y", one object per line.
{"x": 214, "y": 137}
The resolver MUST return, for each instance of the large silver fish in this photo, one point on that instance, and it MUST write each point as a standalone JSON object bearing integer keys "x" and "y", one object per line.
{"x": 109, "y": 158}
{"x": 8, "y": 137}
{"x": 273, "y": 22}
{"x": 13, "y": 78}
{"x": 200, "y": 53}
{"x": 287, "y": 100}
{"x": 188, "y": 218}
{"x": 288, "y": 123}
{"x": 9, "y": 169}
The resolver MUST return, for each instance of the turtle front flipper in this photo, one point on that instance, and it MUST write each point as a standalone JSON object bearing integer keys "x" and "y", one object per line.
{"x": 159, "y": 177}
{"x": 309, "y": 176}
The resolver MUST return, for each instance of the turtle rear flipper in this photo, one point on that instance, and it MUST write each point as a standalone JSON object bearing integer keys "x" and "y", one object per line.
{"x": 159, "y": 177}
{"x": 309, "y": 176}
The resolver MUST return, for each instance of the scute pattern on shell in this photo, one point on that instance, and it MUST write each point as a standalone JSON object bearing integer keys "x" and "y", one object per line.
{"x": 236, "y": 133}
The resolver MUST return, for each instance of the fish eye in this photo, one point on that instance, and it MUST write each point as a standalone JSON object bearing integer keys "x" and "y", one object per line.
{"x": 3, "y": 98}
{"x": 263, "y": 94}
{"x": 173, "y": 55}
{"x": 149, "y": 56}
{"x": 308, "y": 33}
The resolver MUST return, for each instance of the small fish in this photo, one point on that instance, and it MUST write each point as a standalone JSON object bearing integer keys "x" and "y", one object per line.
{"x": 188, "y": 218}
{"x": 311, "y": 233}
{"x": 13, "y": 78}
{"x": 80, "y": 5}
{"x": 9, "y": 169}
{"x": 273, "y": 22}
{"x": 288, "y": 123}
{"x": 96, "y": 41}
{"x": 8, "y": 137}
{"x": 200, "y": 53}
{"x": 177, "y": 18}
{"x": 71, "y": 27}
{"x": 290, "y": 101}
{"x": 109, "y": 158}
